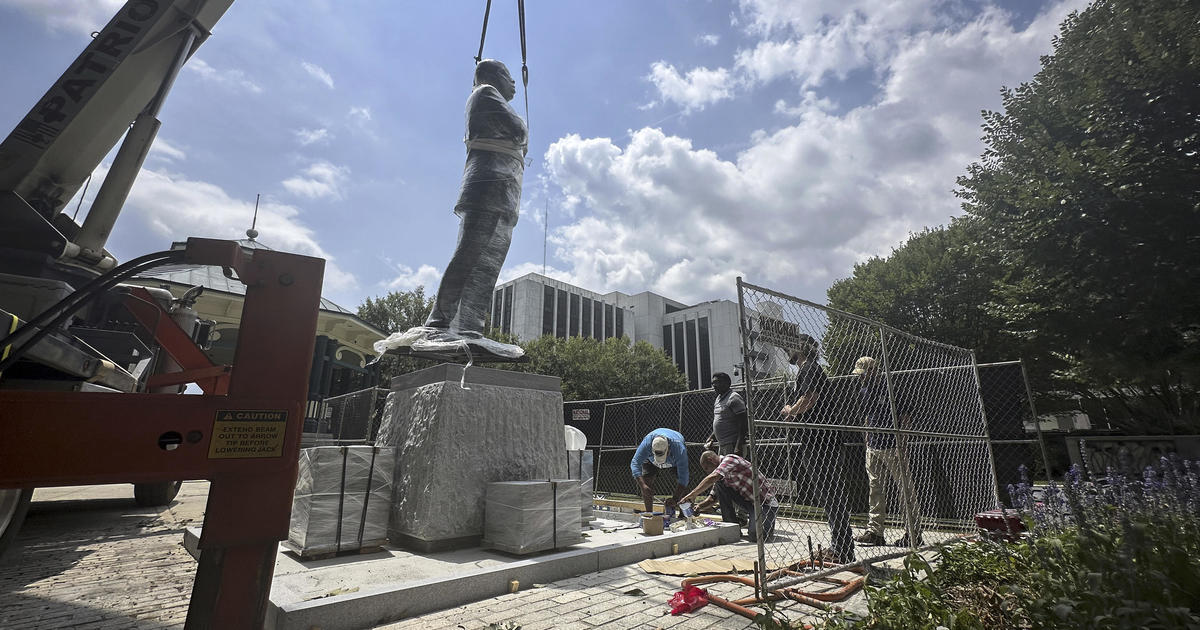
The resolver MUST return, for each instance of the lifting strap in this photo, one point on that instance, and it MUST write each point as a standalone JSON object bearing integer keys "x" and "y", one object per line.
{"x": 482, "y": 36}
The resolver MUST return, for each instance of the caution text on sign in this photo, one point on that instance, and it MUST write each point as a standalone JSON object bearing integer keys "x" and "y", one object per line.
{"x": 247, "y": 433}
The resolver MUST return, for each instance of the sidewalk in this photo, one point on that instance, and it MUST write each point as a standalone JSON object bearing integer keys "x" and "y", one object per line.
{"x": 88, "y": 557}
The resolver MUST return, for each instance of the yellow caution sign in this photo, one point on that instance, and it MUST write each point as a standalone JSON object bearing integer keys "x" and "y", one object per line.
{"x": 245, "y": 433}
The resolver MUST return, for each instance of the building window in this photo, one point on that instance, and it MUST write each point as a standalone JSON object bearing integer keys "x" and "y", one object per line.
{"x": 508, "y": 303}
{"x": 586, "y": 329}
{"x": 573, "y": 322}
{"x": 560, "y": 330}
{"x": 620, "y": 322}
{"x": 667, "y": 341}
{"x": 705, "y": 359}
{"x": 679, "y": 348}
{"x": 608, "y": 321}
{"x": 693, "y": 357}
{"x": 496, "y": 312}
{"x": 548, "y": 310}
{"x": 597, "y": 319}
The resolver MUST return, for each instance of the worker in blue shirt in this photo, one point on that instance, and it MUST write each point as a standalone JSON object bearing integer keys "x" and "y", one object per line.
{"x": 661, "y": 448}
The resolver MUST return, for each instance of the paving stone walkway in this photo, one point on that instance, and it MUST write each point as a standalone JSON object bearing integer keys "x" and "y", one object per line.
{"x": 89, "y": 558}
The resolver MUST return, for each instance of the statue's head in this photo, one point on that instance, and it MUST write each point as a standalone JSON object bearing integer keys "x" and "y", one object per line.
{"x": 494, "y": 73}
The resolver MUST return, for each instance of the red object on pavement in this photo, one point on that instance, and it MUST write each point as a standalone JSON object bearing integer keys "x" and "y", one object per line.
{"x": 690, "y": 599}
{"x": 1001, "y": 523}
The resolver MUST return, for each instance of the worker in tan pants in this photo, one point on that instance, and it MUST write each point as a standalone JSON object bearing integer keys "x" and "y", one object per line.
{"x": 885, "y": 457}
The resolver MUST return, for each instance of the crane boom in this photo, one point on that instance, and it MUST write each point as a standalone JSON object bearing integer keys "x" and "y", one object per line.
{"x": 124, "y": 71}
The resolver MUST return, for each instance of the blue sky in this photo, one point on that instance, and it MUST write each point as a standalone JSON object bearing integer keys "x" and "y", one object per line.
{"x": 675, "y": 145}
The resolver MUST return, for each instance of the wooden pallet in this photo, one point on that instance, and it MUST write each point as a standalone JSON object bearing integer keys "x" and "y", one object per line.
{"x": 324, "y": 552}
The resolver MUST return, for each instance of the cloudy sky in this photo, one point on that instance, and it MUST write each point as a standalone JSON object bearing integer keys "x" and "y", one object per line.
{"x": 675, "y": 145}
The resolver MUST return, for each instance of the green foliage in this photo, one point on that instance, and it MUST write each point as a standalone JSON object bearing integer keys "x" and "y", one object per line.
{"x": 1118, "y": 555}
{"x": 935, "y": 285}
{"x": 612, "y": 368}
{"x": 394, "y": 312}
{"x": 1080, "y": 251}
{"x": 1089, "y": 195}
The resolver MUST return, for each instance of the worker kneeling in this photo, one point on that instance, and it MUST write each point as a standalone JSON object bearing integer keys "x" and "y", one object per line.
{"x": 730, "y": 477}
{"x": 661, "y": 448}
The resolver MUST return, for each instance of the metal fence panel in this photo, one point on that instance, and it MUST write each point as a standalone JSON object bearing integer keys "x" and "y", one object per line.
{"x": 351, "y": 418}
{"x": 926, "y": 443}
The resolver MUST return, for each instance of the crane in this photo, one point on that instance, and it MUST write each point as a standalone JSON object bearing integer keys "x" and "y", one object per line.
{"x": 91, "y": 367}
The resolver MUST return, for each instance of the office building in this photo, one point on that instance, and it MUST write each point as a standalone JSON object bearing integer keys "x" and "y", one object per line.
{"x": 702, "y": 338}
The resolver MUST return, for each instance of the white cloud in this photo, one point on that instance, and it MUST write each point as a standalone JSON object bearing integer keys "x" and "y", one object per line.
{"x": 407, "y": 279}
{"x": 708, "y": 39}
{"x": 695, "y": 90}
{"x": 313, "y": 136}
{"x": 805, "y": 201}
{"x": 233, "y": 79}
{"x": 809, "y": 101}
{"x": 318, "y": 73}
{"x": 177, "y": 207}
{"x": 321, "y": 179}
{"x": 166, "y": 151}
{"x": 360, "y": 114}
{"x": 69, "y": 15}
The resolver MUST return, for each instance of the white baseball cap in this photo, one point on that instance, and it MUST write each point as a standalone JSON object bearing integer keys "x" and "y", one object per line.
{"x": 661, "y": 448}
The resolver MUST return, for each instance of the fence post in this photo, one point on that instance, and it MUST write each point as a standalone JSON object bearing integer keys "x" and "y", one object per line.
{"x": 760, "y": 575}
{"x": 901, "y": 452}
{"x": 600, "y": 447}
{"x": 991, "y": 456}
{"x": 1036, "y": 422}
{"x": 679, "y": 420}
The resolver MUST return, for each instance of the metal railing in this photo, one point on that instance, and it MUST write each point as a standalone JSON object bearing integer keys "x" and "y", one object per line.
{"x": 346, "y": 419}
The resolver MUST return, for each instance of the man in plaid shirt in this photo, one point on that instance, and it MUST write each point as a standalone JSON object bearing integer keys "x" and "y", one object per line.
{"x": 730, "y": 477}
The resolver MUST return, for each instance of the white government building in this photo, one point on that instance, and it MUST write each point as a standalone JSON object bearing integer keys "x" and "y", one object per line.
{"x": 701, "y": 338}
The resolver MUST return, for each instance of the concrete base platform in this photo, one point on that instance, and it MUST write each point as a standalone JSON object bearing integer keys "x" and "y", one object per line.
{"x": 363, "y": 591}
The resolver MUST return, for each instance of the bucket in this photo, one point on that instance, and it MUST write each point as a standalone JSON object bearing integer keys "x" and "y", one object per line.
{"x": 652, "y": 525}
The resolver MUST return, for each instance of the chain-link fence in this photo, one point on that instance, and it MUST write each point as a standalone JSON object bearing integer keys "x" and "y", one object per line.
{"x": 347, "y": 419}
{"x": 1013, "y": 430}
{"x": 614, "y": 427}
{"x": 859, "y": 397}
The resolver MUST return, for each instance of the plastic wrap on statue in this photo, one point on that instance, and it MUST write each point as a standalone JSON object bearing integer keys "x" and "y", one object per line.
{"x": 489, "y": 203}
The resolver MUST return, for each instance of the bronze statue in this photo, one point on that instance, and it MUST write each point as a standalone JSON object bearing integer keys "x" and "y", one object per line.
{"x": 488, "y": 203}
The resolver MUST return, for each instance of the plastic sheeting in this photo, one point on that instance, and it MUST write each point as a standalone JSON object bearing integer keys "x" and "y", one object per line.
{"x": 343, "y": 499}
{"x": 426, "y": 339}
{"x": 525, "y": 517}
{"x": 489, "y": 202}
{"x": 579, "y": 466}
{"x": 576, "y": 440}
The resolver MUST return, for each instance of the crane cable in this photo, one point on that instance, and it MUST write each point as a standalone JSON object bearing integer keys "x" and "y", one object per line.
{"x": 487, "y": 11}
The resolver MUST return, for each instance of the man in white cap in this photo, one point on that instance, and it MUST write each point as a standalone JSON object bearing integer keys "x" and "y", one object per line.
{"x": 661, "y": 448}
{"x": 885, "y": 455}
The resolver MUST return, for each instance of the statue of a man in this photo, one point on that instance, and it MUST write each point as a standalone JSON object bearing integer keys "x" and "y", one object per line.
{"x": 488, "y": 203}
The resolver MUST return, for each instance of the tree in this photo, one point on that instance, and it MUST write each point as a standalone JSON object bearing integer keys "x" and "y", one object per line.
{"x": 612, "y": 368}
{"x": 394, "y": 312}
{"x": 1089, "y": 194}
{"x": 936, "y": 285}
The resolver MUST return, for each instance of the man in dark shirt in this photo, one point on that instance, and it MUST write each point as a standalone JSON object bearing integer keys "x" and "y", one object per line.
{"x": 823, "y": 450}
{"x": 885, "y": 455}
{"x": 730, "y": 422}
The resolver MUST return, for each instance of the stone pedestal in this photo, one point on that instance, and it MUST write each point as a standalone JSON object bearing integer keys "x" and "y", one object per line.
{"x": 451, "y": 442}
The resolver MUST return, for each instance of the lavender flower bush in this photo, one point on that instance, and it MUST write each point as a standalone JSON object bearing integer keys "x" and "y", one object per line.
{"x": 1122, "y": 551}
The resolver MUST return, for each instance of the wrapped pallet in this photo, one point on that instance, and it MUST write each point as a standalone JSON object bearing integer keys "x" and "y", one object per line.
{"x": 343, "y": 499}
{"x": 579, "y": 466}
{"x": 523, "y": 517}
